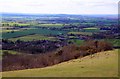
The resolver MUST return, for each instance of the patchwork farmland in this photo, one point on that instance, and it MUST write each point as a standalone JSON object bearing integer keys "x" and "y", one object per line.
{"x": 83, "y": 44}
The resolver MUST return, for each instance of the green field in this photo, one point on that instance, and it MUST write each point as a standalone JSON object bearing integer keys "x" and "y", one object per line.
{"x": 103, "y": 64}
{"x": 6, "y": 31}
{"x": 9, "y": 51}
{"x": 114, "y": 42}
{"x": 81, "y": 33}
{"x": 92, "y": 29}
{"x": 50, "y": 25}
{"x": 76, "y": 41}
{"x": 32, "y": 31}
{"x": 14, "y": 23}
{"x": 33, "y": 37}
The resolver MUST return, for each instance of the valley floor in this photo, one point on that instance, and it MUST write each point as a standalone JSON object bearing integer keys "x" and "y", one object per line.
{"x": 102, "y": 64}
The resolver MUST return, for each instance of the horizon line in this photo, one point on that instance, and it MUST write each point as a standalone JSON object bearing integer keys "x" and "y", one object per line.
{"x": 51, "y": 13}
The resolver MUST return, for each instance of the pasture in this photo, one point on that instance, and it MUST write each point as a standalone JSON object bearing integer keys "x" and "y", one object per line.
{"x": 81, "y": 33}
{"x": 33, "y": 37}
{"x": 32, "y": 31}
{"x": 76, "y": 41}
{"x": 2, "y": 52}
{"x": 114, "y": 42}
{"x": 51, "y": 25}
{"x": 7, "y": 31}
{"x": 11, "y": 24}
{"x": 102, "y": 64}
{"x": 92, "y": 29}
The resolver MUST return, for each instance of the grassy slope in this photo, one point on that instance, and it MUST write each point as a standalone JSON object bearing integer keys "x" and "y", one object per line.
{"x": 104, "y": 64}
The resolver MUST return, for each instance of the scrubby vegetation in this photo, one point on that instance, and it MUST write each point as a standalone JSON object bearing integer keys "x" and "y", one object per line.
{"x": 27, "y": 61}
{"x": 103, "y": 64}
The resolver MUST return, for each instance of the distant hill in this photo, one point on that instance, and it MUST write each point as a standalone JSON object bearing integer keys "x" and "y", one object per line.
{"x": 22, "y": 14}
{"x": 60, "y": 15}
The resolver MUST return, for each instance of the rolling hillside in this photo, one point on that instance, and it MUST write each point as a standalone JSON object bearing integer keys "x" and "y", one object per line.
{"x": 102, "y": 64}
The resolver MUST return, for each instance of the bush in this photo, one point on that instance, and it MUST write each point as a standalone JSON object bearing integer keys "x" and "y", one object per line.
{"x": 26, "y": 61}
{"x": 96, "y": 46}
{"x": 104, "y": 46}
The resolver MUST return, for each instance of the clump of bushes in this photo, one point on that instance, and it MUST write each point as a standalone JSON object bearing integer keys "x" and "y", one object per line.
{"x": 92, "y": 47}
{"x": 27, "y": 61}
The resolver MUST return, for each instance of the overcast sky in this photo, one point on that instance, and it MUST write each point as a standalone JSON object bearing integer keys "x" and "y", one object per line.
{"x": 60, "y": 6}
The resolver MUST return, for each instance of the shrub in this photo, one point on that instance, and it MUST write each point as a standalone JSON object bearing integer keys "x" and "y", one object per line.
{"x": 26, "y": 61}
{"x": 103, "y": 46}
{"x": 96, "y": 46}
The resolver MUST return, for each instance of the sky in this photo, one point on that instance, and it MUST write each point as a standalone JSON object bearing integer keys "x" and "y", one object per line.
{"x": 60, "y": 6}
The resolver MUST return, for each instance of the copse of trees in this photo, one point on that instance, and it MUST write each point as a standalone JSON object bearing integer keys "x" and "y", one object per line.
{"x": 32, "y": 47}
{"x": 27, "y": 61}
